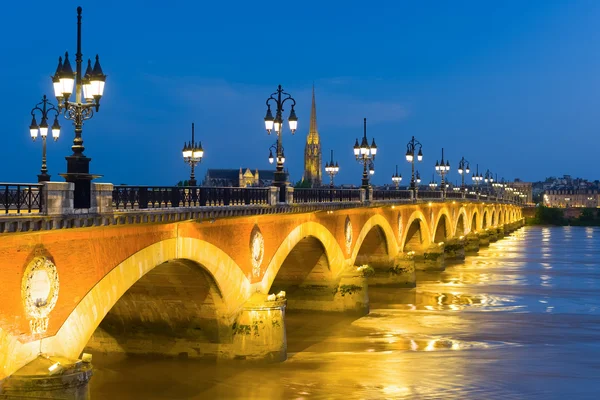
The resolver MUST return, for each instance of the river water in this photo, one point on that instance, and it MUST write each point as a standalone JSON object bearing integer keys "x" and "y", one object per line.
{"x": 520, "y": 320}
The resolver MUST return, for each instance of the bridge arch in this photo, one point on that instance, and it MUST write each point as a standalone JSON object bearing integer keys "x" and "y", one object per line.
{"x": 233, "y": 287}
{"x": 493, "y": 222}
{"x": 443, "y": 226}
{"x": 416, "y": 235}
{"x": 462, "y": 226}
{"x": 332, "y": 251}
{"x": 484, "y": 220}
{"x": 474, "y": 222}
{"x": 376, "y": 229}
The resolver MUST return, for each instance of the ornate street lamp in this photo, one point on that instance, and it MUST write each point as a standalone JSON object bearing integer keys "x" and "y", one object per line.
{"x": 442, "y": 168}
{"x": 477, "y": 178}
{"x": 192, "y": 155}
{"x": 365, "y": 155}
{"x": 91, "y": 86}
{"x": 332, "y": 169}
{"x": 277, "y": 125}
{"x": 489, "y": 180}
{"x": 463, "y": 169}
{"x": 42, "y": 128}
{"x": 410, "y": 157}
{"x": 397, "y": 178}
{"x": 432, "y": 183}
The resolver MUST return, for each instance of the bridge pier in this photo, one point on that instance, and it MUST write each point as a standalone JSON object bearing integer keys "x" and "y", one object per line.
{"x": 396, "y": 271}
{"x": 454, "y": 250}
{"x": 472, "y": 243}
{"x": 492, "y": 235}
{"x": 500, "y": 231}
{"x": 484, "y": 238}
{"x": 259, "y": 330}
{"x": 49, "y": 378}
{"x": 348, "y": 295}
{"x": 431, "y": 259}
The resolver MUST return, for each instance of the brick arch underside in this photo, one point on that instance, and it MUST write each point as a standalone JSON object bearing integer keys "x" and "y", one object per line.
{"x": 74, "y": 334}
{"x": 305, "y": 264}
{"x": 374, "y": 248}
{"x": 175, "y": 309}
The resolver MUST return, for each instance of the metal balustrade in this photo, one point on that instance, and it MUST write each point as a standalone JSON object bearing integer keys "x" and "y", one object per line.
{"x": 143, "y": 197}
{"x": 21, "y": 198}
{"x": 431, "y": 194}
{"x": 379, "y": 194}
{"x": 325, "y": 195}
{"x": 454, "y": 195}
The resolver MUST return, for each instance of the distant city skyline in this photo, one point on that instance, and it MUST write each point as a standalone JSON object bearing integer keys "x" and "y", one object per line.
{"x": 510, "y": 86}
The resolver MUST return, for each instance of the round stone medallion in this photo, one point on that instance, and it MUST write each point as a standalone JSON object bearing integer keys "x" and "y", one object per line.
{"x": 257, "y": 250}
{"x": 348, "y": 234}
{"x": 39, "y": 291}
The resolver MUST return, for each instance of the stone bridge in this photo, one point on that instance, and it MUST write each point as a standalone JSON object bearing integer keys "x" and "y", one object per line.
{"x": 197, "y": 283}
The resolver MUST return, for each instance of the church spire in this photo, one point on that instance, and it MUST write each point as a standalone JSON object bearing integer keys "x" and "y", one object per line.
{"x": 312, "y": 151}
{"x": 313, "y": 114}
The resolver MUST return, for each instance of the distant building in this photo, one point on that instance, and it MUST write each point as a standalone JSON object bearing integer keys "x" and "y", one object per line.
{"x": 571, "y": 198}
{"x": 524, "y": 187}
{"x": 313, "y": 162}
{"x": 243, "y": 177}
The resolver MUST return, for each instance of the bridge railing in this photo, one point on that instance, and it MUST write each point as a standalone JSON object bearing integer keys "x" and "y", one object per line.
{"x": 144, "y": 197}
{"x": 325, "y": 195}
{"x": 379, "y": 194}
{"x": 21, "y": 198}
{"x": 454, "y": 195}
{"x": 431, "y": 194}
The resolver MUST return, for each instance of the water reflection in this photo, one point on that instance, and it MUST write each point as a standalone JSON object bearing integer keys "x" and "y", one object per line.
{"x": 525, "y": 307}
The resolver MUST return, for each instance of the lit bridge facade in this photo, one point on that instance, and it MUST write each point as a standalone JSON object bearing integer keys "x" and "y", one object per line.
{"x": 209, "y": 272}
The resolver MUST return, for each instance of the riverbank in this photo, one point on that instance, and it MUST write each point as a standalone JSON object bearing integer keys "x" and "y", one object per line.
{"x": 545, "y": 216}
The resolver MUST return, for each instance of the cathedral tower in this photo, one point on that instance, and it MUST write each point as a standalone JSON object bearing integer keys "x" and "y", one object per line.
{"x": 312, "y": 151}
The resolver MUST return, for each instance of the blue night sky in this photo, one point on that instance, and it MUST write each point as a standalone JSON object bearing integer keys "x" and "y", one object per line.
{"x": 512, "y": 85}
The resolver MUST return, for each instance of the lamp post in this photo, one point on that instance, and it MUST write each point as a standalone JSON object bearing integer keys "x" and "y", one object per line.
{"x": 397, "y": 178}
{"x": 42, "y": 128}
{"x": 463, "y": 169}
{"x": 442, "y": 168}
{"x": 91, "y": 86}
{"x": 277, "y": 125}
{"x": 477, "y": 178}
{"x": 365, "y": 155}
{"x": 410, "y": 157}
{"x": 489, "y": 180}
{"x": 192, "y": 155}
{"x": 332, "y": 170}
{"x": 432, "y": 183}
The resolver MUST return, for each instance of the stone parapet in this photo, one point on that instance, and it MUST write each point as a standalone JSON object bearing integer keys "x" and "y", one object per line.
{"x": 58, "y": 198}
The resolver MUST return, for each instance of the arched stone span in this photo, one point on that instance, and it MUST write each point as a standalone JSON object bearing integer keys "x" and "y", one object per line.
{"x": 379, "y": 221}
{"x": 306, "y": 263}
{"x": 494, "y": 222}
{"x": 466, "y": 226}
{"x": 443, "y": 227}
{"x": 76, "y": 331}
{"x": 415, "y": 225}
{"x": 176, "y": 308}
{"x": 474, "y": 222}
{"x": 484, "y": 220}
{"x": 374, "y": 248}
{"x": 334, "y": 253}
